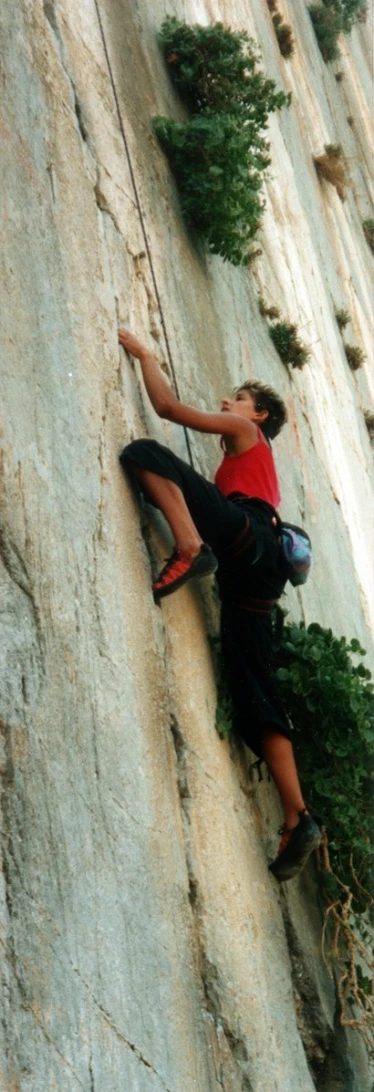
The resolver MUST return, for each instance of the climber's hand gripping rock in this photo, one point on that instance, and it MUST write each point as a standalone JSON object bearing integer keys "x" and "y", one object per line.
{"x": 131, "y": 343}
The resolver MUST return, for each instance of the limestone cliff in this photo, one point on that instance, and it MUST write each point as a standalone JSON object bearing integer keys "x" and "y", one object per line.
{"x": 144, "y": 947}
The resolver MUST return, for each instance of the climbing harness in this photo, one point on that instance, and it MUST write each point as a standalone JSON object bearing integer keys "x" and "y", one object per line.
{"x": 141, "y": 219}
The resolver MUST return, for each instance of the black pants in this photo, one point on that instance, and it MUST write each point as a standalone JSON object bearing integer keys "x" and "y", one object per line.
{"x": 242, "y": 532}
{"x": 217, "y": 519}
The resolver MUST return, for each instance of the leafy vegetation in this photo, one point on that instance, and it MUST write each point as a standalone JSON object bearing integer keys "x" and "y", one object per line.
{"x": 291, "y": 350}
{"x": 331, "y": 704}
{"x": 342, "y": 317}
{"x": 369, "y": 421}
{"x": 220, "y": 155}
{"x": 330, "y": 166}
{"x": 329, "y": 697}
{"x": 215, "y": 68}
{"x": 327, "y": 26}
{"x": 219, "y": 181}
{"x": 355, "y": 356}
{"x": 266, "y": 311}
{"x": 334, "y": 17}
{"x": 284, "y": 36}
{"x": 368, "y": 226}
{"x": 283, "y": 31}
{"x": 284, "y": 336}
{"x": 350, "y": 11}
{"x": 224, "y": 706}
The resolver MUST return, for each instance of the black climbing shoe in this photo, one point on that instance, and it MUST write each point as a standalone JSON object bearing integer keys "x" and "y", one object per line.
{"x": 295, "y": 848}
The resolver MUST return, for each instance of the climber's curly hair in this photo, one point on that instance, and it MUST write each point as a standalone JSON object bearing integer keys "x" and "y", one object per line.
{"x": 266, "y": 399}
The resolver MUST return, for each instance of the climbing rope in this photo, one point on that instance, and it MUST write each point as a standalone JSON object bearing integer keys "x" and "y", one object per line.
{"x": 141, "y": 219}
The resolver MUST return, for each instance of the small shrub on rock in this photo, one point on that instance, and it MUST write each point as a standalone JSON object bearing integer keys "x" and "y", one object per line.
{"x": 368, "y": 226}
{"x": 330, "y": 166}
{"x": 266, "y": 311}
{"x": 284, "y": 36}
{"x": 355, "y": 356}
{"x": 291, "y": 350}
{"x": 342, "y": 317}
{"x": 283, "y": 31}
{"x": 369, "y": 422}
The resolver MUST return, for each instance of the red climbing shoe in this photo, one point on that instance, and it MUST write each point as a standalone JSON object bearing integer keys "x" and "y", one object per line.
{"x": 295, "y": 847}
{"x": 181, "y": 567}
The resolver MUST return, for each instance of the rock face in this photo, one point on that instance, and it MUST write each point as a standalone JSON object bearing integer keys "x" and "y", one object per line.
{"x": 144, "y": 946}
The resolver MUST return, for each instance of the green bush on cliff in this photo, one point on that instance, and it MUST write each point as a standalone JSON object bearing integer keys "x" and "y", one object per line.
{"x": 330, "y": 701}
{"x": 219, "y": 156}
{"x": 215, "y": 68}
{"x": 219, "y": 181}
{"x": 368, "y": 226}
{"x": 327, "y": 25}
{"x": 350, "y": 11}
{"x": 329, "y": 697}
{"x": 334, "y": 17}
{"x": 285, "y": 338}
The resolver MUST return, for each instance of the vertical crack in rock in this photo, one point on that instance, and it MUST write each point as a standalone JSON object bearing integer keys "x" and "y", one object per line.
{"x": 101, "y": 200}
{"x": 91, "y": 1076}
{"x": 17, "y": 572}
{"x": 51, "y": 177}
{"x": 14, "y": 985}
{"x": 339, "y": 1073}
{"x": 50, "y": 14}
{"x": 79, "y": 116}
{"x": 22, "y": 630}
{"x": 22, "y": 667}
{"x": 233, "y": 1041}
{"x": 104, "y": 207}
{"x": 226, "y": 1040}
{"x": 117, "y": 1031}
{"x": 152, "y": 304}
{"x": 326, "y": 1047}
{"x": 14, "y": 563}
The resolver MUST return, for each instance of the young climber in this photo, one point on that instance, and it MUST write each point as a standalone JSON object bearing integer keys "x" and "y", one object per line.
{"x": 231, "y": 528}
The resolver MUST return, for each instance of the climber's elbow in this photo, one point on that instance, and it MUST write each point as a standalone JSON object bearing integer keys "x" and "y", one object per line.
{"x": 166, "y": 408}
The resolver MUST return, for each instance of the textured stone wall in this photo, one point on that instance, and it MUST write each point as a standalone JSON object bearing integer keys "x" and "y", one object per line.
{"x": 144, "y": 947}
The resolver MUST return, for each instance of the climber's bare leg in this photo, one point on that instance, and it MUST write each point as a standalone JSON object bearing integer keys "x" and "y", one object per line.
{"x": 279, "y": 757}
{"x": 170, "y": 500}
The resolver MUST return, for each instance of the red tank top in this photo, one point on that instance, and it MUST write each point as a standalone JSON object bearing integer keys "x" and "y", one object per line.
{"x": 252, "y": 473}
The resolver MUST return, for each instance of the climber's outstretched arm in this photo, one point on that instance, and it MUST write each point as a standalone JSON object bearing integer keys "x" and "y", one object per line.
{"x": 156, "y": 384}
{"x": 168, "y": 406}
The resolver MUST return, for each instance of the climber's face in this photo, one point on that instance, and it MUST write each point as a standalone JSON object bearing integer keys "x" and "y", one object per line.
{"x": 242, "y": 403}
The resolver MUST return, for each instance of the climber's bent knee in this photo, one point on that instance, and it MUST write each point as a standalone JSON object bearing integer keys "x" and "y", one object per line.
{"x": 217, "y": 519}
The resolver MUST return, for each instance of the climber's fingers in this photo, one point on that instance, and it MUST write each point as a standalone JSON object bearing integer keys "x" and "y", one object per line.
{"x": 130, "y": 342}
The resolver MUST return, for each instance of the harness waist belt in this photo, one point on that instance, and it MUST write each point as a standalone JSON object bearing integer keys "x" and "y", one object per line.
{"x": 257, "y": 606}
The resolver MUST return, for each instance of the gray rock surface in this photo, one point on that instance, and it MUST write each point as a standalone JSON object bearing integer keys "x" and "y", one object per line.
{"x": 144, "y": 947}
